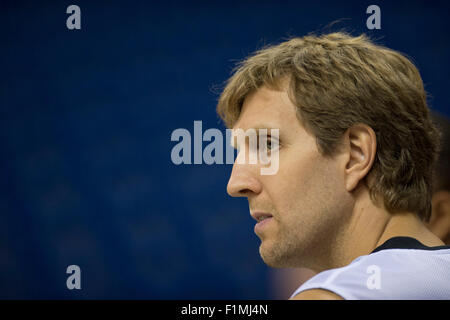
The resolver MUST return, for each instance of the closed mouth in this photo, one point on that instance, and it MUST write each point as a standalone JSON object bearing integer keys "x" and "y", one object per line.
{"x": 260, "y": 216}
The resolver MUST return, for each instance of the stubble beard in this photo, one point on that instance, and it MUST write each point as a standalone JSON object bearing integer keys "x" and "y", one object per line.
{"x": 303, "y": 245}
{"x": 285, "y": 249}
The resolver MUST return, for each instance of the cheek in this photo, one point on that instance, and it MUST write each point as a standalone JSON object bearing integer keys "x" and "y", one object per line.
{"x": 299, "y": 172}
{"x": 303, "y": 185}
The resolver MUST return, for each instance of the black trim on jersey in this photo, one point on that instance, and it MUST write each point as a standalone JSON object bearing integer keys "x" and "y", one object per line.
{"x": 406, "y": 243}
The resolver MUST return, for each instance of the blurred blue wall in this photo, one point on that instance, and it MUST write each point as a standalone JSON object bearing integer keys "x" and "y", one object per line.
{"x": 85, "y": 121}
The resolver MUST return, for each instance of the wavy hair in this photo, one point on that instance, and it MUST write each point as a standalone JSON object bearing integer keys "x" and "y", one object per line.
{"x": 337, "y": 80}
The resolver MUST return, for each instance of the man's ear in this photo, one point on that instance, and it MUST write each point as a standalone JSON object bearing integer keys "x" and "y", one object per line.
{"x": 439, "y": 222}
{"x": 360, "y": 145}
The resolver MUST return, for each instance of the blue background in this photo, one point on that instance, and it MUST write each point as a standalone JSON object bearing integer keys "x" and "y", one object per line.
{"x": 85, "y": 122}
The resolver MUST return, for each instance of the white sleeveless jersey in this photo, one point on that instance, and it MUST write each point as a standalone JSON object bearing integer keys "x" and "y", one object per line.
{"x": 402, "y": 268}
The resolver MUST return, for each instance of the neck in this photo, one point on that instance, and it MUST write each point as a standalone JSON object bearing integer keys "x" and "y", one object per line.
{"x": 370, "y": 226}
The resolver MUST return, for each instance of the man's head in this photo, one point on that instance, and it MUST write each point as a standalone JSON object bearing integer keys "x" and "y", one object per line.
{"x": 352, "y": 119}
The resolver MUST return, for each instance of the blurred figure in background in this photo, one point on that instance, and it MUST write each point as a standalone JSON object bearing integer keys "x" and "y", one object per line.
{"x": 285, "y": 281}
{"x": 439, "y": 222}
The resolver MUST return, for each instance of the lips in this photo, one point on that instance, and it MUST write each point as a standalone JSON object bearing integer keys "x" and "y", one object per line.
{"x": 263, "y": 221}
{"x": 260, "y": 216}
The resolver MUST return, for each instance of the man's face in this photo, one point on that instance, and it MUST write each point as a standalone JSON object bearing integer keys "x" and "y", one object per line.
{"x": 304, "y": 199}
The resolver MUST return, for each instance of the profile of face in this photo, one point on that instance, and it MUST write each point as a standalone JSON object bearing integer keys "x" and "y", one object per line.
{"x": 305, "y": 205}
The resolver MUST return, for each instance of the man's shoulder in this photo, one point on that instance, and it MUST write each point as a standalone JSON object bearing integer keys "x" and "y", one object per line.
{"x": 386, "y": 274}
{"x": 316, "y": 294}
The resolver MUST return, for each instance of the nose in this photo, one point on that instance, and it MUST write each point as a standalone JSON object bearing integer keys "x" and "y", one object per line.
{"x": 243, "y": 181}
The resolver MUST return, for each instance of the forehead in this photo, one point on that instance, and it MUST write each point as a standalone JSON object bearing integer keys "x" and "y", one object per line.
{"x": 269, "y": 108}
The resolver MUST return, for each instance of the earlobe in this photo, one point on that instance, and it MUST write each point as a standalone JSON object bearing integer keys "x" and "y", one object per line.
{"x": 361, "y": 148}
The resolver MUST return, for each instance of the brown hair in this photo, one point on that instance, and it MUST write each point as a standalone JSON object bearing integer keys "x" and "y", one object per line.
{"x": 336, "y": 81}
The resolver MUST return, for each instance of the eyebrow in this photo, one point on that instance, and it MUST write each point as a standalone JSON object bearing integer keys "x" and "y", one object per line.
{"x": 264, "y": 125}
{"x": 261, "y": 125}
{"x": 257, "y": 128}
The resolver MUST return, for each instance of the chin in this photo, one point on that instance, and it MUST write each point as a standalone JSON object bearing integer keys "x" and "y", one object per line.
{"x": 272, "y": 257}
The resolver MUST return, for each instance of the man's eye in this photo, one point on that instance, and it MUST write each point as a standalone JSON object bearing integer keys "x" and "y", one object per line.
{"x": 270, "y": 143}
